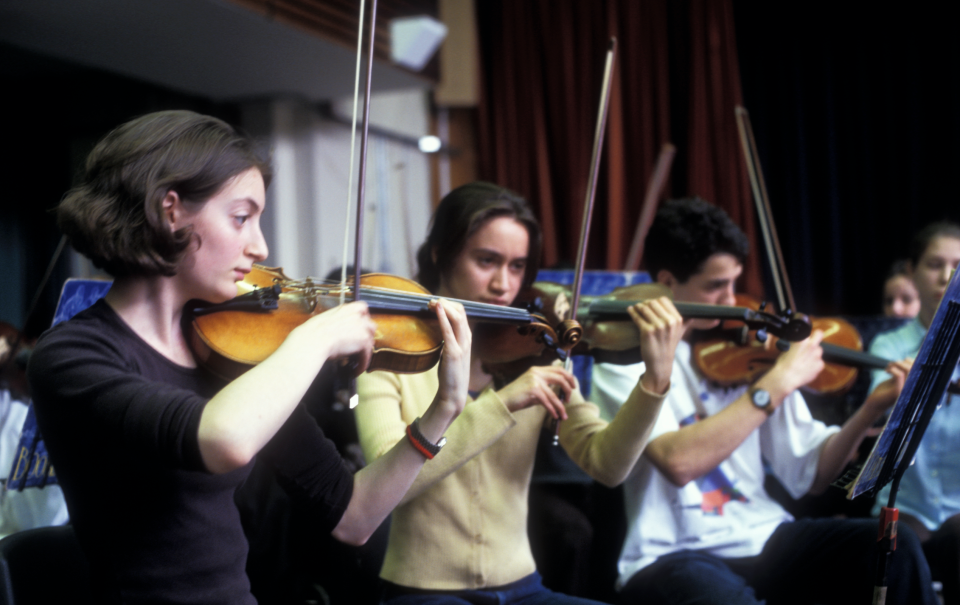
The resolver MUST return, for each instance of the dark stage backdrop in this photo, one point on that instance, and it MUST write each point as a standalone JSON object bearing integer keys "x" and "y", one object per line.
{"x": 857, "y": 117}
{"x": 855, "y": 113}
{"x": 55, "y": 112}
{"x": 676, "y": 80}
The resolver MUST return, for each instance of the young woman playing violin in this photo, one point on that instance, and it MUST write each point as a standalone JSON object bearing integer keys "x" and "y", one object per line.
{"x": 149, "y": 448}
{"x": 460, "y": 533}
{"x": 929, "y": 496}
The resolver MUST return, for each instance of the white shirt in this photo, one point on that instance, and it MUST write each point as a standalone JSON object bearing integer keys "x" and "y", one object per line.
{"x": 33, "y": 507}
{"x": 726, "y": 512}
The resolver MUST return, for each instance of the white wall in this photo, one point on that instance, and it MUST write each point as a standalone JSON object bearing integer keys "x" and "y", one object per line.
{"x": 307, "y": 202}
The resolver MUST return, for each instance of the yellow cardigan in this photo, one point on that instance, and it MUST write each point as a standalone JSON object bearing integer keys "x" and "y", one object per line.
{"x": 463, "y": 524}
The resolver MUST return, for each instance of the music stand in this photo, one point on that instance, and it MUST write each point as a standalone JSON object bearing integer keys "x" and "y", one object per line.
{"x": 896, "y": 446}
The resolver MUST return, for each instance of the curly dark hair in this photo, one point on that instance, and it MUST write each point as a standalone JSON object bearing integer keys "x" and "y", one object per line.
{"x": 923, "y": 238}
{"x": 459, "y": 215}
{"x": 115, "y": 215}
{"x": 686, "y": 232}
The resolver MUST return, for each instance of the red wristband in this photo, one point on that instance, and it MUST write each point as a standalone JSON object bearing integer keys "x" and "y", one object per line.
{"x": 420, "y": 441}
{"x": 419, "y": 446}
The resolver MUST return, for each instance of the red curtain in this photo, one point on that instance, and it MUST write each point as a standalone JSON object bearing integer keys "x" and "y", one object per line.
{"x": 676, "y": 80}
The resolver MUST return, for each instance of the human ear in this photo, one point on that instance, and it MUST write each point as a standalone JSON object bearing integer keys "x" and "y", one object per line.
{"x": 173, "y": 209}
{"x": 666, "y": 278}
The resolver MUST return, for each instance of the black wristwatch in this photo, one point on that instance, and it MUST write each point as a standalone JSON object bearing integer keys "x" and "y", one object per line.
{"x": 761, "y": 399}
{"x": 421, "y": 443}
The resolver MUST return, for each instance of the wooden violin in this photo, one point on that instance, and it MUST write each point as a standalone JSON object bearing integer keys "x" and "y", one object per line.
{"x": 728, "y": 356}
{"x": 610, "y": 336}
{"x": 230, "y": 337}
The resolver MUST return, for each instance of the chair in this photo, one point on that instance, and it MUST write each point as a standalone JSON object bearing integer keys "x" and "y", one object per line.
{"x": 42, "y": 566}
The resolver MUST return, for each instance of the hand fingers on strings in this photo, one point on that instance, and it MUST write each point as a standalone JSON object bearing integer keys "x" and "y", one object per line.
{"x": 452, "y": 319}
{"x": 639, "y": 317}
{"x": 657, "y": 318}
{"x": 900, "y": 367}
{"x": 662, "y": 313}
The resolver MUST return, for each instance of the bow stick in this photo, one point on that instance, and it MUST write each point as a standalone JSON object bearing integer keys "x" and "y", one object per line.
{"x": 591, "y": 195}
{"x": 771, "y": 242}
{"x": 361, "y": 180}
{"x": 361, "y": 185}
{"x": 654, "y": 190}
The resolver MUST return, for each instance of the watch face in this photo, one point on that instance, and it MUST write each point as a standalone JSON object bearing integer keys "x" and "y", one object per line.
{"x": 761, "y": 398}
{"x": 442, "y": 442}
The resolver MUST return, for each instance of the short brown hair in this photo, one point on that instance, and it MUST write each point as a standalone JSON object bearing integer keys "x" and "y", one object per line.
{"x": 115, "y": 215}
{"x": 461, "y": 213}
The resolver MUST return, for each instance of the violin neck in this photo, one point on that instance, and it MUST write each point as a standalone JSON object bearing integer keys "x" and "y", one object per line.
{"x": 617, "y": 309}
{"x": 849, "y": 357}
{"x": 418, "y": 304}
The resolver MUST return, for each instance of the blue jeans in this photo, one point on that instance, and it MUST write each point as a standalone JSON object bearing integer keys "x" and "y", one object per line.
{"x": 806, "y": 561}
{"x": 526, "y": 591}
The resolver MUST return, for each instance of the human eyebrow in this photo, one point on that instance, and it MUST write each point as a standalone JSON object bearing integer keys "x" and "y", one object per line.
{"x": 718, "y": 283}
{"x": 486, "y": 252}
{"x": 248, "y": 203}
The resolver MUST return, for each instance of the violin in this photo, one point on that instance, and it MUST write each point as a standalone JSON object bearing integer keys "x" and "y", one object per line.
{"x": 729, "y": 357}
{"x": 740, "y": 359}
{"x": 610, "y": 336}
{"x": 231, "y": 337}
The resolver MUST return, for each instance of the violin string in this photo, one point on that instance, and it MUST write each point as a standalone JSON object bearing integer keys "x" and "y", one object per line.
{"x": 381, "y": 295}
{"x": 353, "y": 140}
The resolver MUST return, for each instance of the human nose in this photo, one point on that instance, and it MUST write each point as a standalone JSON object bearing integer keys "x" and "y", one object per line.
{"x": 257, "y": 246}
{"x": 729, "y": 298}
{"x": 946, "y": 273}
{"x": 499, "y": 279}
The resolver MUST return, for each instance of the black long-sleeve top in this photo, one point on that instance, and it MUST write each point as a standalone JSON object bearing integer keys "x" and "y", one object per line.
{"x": 120, "y": 422}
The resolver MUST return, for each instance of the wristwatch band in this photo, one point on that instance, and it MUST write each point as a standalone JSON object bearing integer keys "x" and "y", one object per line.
{"x": 424, "y": 446}
{"x": 761, "y": 399}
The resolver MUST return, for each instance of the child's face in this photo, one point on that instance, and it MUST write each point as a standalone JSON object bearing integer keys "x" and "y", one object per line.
{"x": 900, "y": 298}
{"x": 932, "y": 273}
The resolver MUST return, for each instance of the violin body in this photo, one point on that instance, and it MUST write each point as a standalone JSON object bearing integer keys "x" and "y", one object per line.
{"x": 231, "y": 337}
{"x": 229, "y": 342}
{"x": 738, "y": 357}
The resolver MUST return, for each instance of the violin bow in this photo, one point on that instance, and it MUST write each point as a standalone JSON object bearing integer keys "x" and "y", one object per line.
{"x": 361, "y": 182}
{"x": 759, "y": 187}
{"x": 594, "y": 171}
{"x": 591, "y": 194}
{"x": 650, "y": 201}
